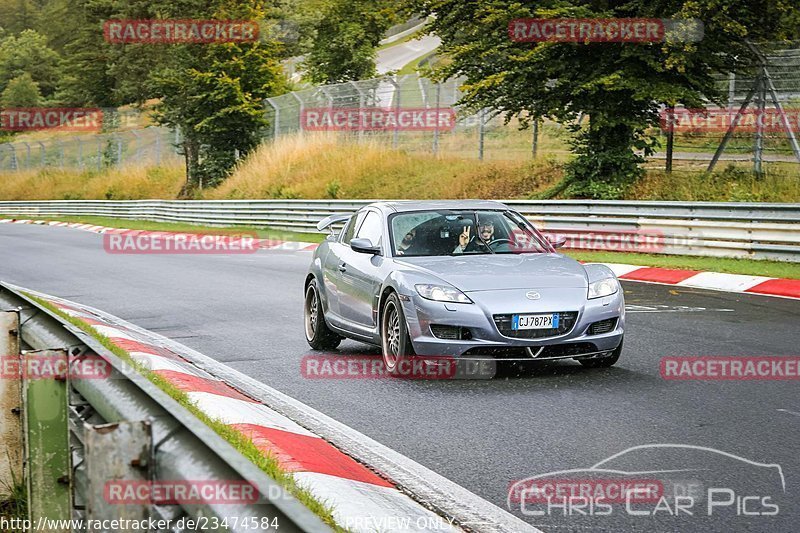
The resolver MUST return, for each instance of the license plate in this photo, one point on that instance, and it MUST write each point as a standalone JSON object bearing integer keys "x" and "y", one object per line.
{"x": 535, "y": 321}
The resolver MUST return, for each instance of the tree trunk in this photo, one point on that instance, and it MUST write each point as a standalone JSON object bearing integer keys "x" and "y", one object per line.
{"x": 191, "y": 154}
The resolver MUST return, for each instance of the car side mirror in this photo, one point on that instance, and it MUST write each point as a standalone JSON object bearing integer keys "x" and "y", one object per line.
{"x": 364, "y": 246}
{"x": 557, "y": 241}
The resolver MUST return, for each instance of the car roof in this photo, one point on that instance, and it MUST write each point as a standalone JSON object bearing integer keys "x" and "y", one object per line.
{"x": 427, "y": 205}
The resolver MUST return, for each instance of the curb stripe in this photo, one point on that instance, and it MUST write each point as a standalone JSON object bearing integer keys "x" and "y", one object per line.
{"x": 190, "y": 383}
{"x": 723, "y": 282}
{"x": 660, "y": 275}
{"x": 301, "y": 453}
{"x": 157, "y": 363}
{"x": 778, "y": 287}
{"x": 363, "y": 507}
{"x": 233, "y": 411}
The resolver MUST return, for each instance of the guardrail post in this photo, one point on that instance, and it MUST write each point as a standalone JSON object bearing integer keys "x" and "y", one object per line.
{"x": 10, "y": 404}
{"x": 117, "y": 457}
{"x": 46, "y": 430}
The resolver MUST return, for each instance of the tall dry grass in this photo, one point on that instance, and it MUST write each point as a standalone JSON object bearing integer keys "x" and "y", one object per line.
{"x": 329, "y": 166}
{"x": 129, "y": 183}
{"x": 325, "y": 166}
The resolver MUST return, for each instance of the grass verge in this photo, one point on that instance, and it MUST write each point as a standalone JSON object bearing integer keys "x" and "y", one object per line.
{"x": 750, "y": 267}
{"x": 266, "y": 462}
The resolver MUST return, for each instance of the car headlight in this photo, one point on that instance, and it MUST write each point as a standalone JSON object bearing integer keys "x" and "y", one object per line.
{"x": 442, "y": 293}
{"x": 603, "y": 287}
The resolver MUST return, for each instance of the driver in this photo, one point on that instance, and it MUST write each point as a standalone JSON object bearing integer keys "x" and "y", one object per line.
{"x": 407, "y": 242}
{"x": 467, "y": 244}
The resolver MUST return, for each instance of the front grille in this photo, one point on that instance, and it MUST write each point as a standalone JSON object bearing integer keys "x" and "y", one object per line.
{"x": 567, "y": 350}
{"x": 603, "y": 326}
{"x": 554, "y": 351}
{"x": 452, "y": 333}
{"x": 566, "y": 321}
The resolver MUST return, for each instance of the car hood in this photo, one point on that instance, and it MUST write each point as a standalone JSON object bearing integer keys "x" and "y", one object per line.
{"x": 502, "y": 271}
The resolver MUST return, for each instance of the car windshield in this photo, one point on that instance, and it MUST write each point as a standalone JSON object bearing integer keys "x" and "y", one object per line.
{"x": 469, "y": 232}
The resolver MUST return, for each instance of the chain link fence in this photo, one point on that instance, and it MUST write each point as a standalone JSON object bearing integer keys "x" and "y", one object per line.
{"x": 772, "y": 90}
{"x": 152, "y": 146}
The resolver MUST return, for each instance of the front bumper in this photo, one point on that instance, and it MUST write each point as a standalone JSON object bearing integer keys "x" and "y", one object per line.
{"x": 485, "y": 338}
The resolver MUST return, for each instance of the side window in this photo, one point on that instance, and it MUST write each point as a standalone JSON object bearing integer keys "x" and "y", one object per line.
{"x": 350, "y": 229}
{"x": 372, "y": 228}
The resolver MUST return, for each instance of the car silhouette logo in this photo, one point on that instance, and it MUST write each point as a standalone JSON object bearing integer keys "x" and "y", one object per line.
{"x": 532, "y": 295}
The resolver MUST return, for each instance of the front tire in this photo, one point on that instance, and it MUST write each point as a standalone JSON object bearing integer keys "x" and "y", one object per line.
{"x": 395, "y": 340}
{"x": 318, "y": 335}
{"x": 603, "y": 362}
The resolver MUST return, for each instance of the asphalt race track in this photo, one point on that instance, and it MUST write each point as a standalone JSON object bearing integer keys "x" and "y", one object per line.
{"x": 246, "y": 311}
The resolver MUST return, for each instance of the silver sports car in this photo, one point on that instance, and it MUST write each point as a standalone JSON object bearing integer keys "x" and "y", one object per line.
{"x": 458, "y": 279}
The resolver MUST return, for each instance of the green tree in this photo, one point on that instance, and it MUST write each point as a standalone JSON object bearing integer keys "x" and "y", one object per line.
{"x": 214, "y": 95}
{"x": 22, "y": 91}
{"x": 29, "y": 53}
{"x": 619, "y": 86}
{"x": 346, "y": 38}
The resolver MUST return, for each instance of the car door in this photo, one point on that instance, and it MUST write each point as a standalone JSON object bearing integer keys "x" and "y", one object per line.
{"x": 333, "y": 269}
{"x": 362, "y": 272}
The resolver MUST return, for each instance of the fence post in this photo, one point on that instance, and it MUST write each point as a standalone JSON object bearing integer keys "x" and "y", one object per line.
{"x": 360, "y": 107}
{"x": 276, "y": 125}
{"x": 27, "y": 155}
{"x": 11, "y": 400}
{"x": 396, "y": 133}
{"x": 119, "y": 452}
{"x": 47, "y": 451}
{"x": 481, "y": 131}
{"x": 43, "y": 152}
{"x": 535, "y": 144}
{"x": 14, "y": 161}
{"x": 436, "y": 129}
{"x": 758, "y": 148}
{"x": 670, "y": 137}
{"x": 80, "y": 152}
{"x": 99, "y": 154}
{"x": 302, "y": 108}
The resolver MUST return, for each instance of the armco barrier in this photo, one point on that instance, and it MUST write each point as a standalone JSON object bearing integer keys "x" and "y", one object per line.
{"x": 119, "y": 428}
{"x": 754, "y": 230}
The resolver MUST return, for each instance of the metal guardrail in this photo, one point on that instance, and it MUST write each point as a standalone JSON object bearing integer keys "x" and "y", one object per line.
{"x": 80, "y": 432}
{"x": 752, "y": 230}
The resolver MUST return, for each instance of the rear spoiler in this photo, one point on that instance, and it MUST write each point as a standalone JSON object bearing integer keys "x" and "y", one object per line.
{"x": 333, "y": 219}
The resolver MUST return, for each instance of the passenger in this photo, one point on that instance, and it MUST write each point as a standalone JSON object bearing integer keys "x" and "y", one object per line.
{"x": 467, "y": 244}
